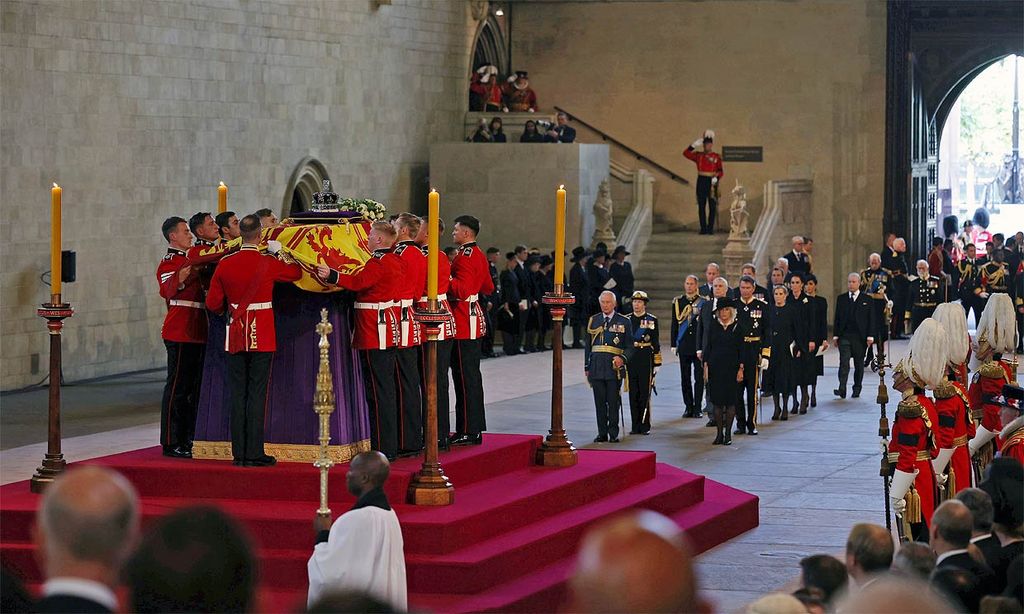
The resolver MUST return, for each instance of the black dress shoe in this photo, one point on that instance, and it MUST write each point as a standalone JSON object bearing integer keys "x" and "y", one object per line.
{"x": 443, "y": 444}
{"x": 178, "y": 452}
{"x": 711, "y": 422}
{"x": 840, "y": 392}
{"x": 717, "y": 441}
{"x": 237, "y": 462}
{"x": 635, "y": 433}
{"x": 740, "y": 431}
{"x": 600, "y": 439}
{"x": 409, "y": 453}
{"x": 727, "y": 441}
{"x": 469, "y": 439}
{"x": 391, "y": 457}
{"x": 263, "y": 461}
{"x": 751, "y": 431}
{"x": 856, "y": 394}
{"x": 613, "y": 440}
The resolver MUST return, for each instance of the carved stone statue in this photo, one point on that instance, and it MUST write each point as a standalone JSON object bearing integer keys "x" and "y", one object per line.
{"x": 603, "y": 215}
{"x": 479, "y": 9}
{"x": 738, "y": 215}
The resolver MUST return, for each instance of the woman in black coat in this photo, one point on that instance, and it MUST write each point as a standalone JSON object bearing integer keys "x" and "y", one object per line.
{"x": 778, "y": 377}
{"x": 819, "y": 332}
{"x": 805, "y": 326}
{"x": 724, "y": 370}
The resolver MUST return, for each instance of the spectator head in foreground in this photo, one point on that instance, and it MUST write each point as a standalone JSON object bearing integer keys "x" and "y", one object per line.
{"x": 869, "y": 551}
{"x": 636, "y": 562}
{"x": 824, "y": 572}
{"x": 895, "y": 596}
{"x": 195, "y": 560}
{"x": 777, "y": 603}
{"x": 914, "y": 560}
{"x": 86, "y": 526}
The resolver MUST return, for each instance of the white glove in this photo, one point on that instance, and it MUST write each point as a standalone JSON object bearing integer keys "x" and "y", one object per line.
{"x": 700, "y": 355}
{"x": 714, "y": 181}
{"x": 697, "y": 144}
{"x": 482, "y": 70}
{"x": 764, "y": 364}
{"x": 884, "y": 446}
{"x": 889, "y": 305}
{"x": 983, "y": 295}
{"x": 898, "y": 506}
{"x": 982, "y": 437}
{"x": 655, "y": 372}
{"x": 939, "y": 462}
{"x": 675, "y": 351}
{"x": 511, "y": 79}
{"x": 486, "y": 78}
{"x": 273, "y": 246}
{"x": 940, "y": 479}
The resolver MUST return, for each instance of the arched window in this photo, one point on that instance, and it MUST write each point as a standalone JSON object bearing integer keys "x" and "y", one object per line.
{"x": 490, "y": 47}
{"x": 306, "y": 180}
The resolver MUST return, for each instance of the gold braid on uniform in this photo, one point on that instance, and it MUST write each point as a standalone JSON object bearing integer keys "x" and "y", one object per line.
{"x": 992, "y": 369}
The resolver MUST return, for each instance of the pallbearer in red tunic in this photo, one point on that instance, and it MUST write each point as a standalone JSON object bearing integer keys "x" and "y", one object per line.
{"x": 412, "y": 286}
{"x": 243, "y": 287}
{"x": 997, "y": 329}
{"x": 912, "y": 447}
{"x": 1012, "y": 434}
{"x": 184, "y": 335}
{"x": 445, "y": 339}
{"x": 376, "y": 332}
{"x": 208, "y": 248}
{"x": 471, "y": 277}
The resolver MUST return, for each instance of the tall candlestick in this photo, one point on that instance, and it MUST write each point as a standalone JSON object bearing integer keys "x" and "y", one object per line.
{"x": 222, "y": 198}
{"x": 560, "y": 235}
{"x": 55, "y": 198}
{"x": 433, "y": 213}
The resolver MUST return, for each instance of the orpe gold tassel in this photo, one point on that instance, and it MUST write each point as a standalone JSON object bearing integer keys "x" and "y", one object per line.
{"x": 913, "y": 511}
{"x": 986, "y": 454}
{"x": 950, "y": 483}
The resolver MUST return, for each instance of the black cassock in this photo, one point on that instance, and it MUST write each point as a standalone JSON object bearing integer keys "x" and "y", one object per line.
{"x": 723, "y": 360}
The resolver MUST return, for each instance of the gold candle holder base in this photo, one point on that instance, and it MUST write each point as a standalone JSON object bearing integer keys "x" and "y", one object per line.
{"x": 557, "y": 450}
{"x": 53, "y": 463}
{"x": 430, "y": 486}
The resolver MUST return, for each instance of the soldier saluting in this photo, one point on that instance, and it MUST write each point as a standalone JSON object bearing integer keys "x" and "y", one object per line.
{"x": 609, "y": 346}
{"x": 709, "y": 172}
{"x": 644, "y": 363}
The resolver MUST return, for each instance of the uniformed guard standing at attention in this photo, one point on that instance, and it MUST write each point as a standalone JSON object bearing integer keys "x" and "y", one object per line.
{"x": 752, "y": 316}
{"x": 996, "y": 275}
{"x": 1012, "y": 435}
{"x": 644, "y": 364}
{"x": 579, "y": 286}
{"x": 686, "y": 310}
{"x": 608, "y": 348}
{"x": 243, "y": 285}
{"x": 376, "y": 333}
{"x": 709, "y": 173}
{"x": 412, "y": 287}
{"x": 184, "y": 335}
{"x": 972, "y": 294}
{"x": 874, "y": 281}
{"x": 926, "y": 292}
{"x": 471, "y": 277}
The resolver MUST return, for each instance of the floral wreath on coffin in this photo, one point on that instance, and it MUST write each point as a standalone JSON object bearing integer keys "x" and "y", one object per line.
{"x": 327, "y": 201}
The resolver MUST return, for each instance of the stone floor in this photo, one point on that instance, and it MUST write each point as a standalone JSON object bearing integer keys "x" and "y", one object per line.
{"x": 816, "y": 474}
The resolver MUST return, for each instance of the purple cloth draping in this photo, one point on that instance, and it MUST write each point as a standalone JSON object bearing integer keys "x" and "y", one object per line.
{"x": 289, "y": 417}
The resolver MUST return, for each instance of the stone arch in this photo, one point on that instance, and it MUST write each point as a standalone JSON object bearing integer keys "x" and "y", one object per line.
{"x": 305, "y": 180}
{"x": 958, "y": 85}
{"x": 489, "y": 46}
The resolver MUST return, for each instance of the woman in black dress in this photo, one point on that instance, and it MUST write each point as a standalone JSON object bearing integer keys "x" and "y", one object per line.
{"x": 806, "y": 347}
{"x": 724, "y": 370}
{"x": 778, "y": 377}
{"x": 819, "y": 332}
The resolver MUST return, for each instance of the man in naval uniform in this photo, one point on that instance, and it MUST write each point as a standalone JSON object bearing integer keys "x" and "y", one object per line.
{"x": 609, "y": 346}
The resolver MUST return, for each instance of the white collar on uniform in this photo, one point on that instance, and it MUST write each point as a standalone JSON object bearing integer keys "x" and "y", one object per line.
{"x": 978, "y": 538}
{"x": 946, "y": 555}
{"x": 85, "y": 589}
{"x": 1009, "y": 429}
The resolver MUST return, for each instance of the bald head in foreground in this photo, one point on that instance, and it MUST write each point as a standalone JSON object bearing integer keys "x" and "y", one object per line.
{"x": 86, "y": 526}
{"x": 637, "y": 562}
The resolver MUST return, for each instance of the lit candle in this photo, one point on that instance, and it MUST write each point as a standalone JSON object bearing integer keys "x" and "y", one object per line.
{"x": 222, "y": 198}
{"x": 560, "y": 236}
{"x": 433, "y": 213}
{"x": 55, "y": 197}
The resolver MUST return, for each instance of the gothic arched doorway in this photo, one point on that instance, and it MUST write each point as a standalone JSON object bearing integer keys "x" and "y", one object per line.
{"x": 307, "y": 179}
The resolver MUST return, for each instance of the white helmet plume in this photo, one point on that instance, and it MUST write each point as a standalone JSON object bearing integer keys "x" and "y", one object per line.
{"x": 954, "y": 320}
{"x": 997, "y": 327}
{"x": 928, "y": 354}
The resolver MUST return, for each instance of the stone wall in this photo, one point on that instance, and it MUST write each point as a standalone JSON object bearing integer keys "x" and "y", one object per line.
{"x": 804, "y": 79}
{"x": 511, "y": 189}
{"x": 139, "y": 107}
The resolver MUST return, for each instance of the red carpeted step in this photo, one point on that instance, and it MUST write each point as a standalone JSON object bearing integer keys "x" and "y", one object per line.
{"x": 155, "y": 475}
{"x": 725, "y": 513}
{"x": 536, "y": 591}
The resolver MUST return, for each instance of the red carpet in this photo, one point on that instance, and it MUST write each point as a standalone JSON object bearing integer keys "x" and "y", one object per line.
{"x": 505, "y": 545}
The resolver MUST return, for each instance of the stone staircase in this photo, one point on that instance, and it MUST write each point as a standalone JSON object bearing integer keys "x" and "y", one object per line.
{"x": 670, "y": 256}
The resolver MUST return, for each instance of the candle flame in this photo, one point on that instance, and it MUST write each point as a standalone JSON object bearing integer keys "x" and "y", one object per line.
{"x": 222, "y": 184}
{"x": 55, "y": 184}
{"x": 561, "y": 187}
{"x": 433, "y": 190}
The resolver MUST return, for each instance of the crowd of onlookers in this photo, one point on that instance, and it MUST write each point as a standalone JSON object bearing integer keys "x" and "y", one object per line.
{"x": 539, "y": 131}
{"x": 200, "y": 559}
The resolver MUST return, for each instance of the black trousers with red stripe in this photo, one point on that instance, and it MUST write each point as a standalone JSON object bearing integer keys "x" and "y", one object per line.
{"x": 410, "y": 401}
{"x": 249, "y": 383}
{"x": 379, "y": 367}
{"x": 444, "y": 361}
{"x": 469, "y": 387}
{"x": 180, "y": 402}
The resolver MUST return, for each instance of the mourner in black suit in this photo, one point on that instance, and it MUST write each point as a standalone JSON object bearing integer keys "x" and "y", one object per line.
{"x": 798, "y": 260}
{"x": 894, "y": 261}
{"x": 622, "y": 272}
{"x": 719, "y": 292}
{"x": 579, "y": 287}
{"x": 722, "y": 344}
{"x": 950, "y": 536}
{"x": 609, "y": 346}
{"x": 686, "y": 309}
{"x": 804, "y": 359}
{"x": 818, "y": 333}
{"x": 778, "y": 377}
{"x": 852, "y": 332}
{"x": 509, "y": 314}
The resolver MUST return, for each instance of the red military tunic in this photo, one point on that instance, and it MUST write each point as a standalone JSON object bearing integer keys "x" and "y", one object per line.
{"x": 471, "y": 277}
{"x": 204, "y": 255}
{"x": 1013, "y": 440}
{"x": 185, "y": 321}
{"x": 708, "y": 164}
{"x": 952, "y": 406}
{"x": 413, "y": 286}
{"x": 444, "y": 272}
{"x": 376, "y": 285}
{"x": 911, "y": 447}
{"x": 248, "y": 277}
{"x": 988, "y": 384}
